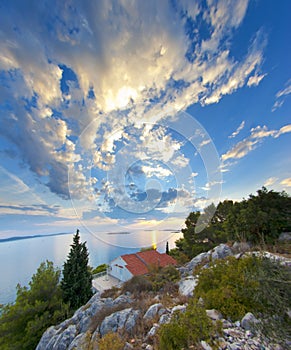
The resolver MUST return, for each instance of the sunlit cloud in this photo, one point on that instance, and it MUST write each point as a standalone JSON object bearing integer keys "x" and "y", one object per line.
{"x": 281, "y": 95}
{"x": 99, "y": 62}
{"x": 286, "y": 182}
{"x": 242, "y": 148}
{"x": 270, "y": 181}
{"x": 255, "y": 79}
{"x": 238, "y": 130}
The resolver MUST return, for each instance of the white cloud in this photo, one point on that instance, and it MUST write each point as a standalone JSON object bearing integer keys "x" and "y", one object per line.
{"x": 270, "y": 181}
{"x": 281, "y": 95}
{"x": 158, "y": 171}
{"x": 204, "y": 143}
{"x": 242, "y": 148}
{"x": 255, "y": 80}
{"x": 286, "y": 182}
{"x": 238, "y": 130}
{"x": 127, "y": 53}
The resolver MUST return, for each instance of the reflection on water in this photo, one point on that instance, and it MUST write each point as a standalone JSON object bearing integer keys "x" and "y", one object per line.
{"x": 19, "y": 260}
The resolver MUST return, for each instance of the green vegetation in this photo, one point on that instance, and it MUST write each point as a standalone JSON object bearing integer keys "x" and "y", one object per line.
{"x": 162, "y": 277}
{"x": 167, "y": 248}
{"x": 137, "y": 284}
{"x": 99, "y": 268}
{"x": 36, "y": 308}
{"x": 251, "y": 284}
{"x": 111, "y": 341}
{"x": 186, "y": 329}
{"x": 46, "y": 301}
{"x": 234, "y": 287}
{"x": 157, "y": 280}
{"x": 77, "y": 278}
{"x": 259, "y": 220}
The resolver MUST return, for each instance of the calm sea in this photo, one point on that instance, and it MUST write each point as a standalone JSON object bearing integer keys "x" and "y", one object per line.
{"x": 20, "y": 259}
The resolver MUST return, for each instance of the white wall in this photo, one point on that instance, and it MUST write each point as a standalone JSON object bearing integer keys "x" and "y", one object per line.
{"x": 116, "y": 271}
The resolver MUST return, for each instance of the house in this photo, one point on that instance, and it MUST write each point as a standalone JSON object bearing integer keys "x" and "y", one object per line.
{"x": 126, "y": 266}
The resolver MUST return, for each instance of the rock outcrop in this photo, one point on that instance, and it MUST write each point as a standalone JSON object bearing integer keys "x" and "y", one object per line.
{"x": 220, "y": 252}
{"x": 122, "y": 314}
{"x": 124, "y": 319}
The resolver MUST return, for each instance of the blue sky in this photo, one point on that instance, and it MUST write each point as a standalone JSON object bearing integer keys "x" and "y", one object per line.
{"x": 130, "y": 114}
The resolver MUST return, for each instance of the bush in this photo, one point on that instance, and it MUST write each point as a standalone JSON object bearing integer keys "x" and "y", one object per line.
{"x": 162, "y": 276}
{"x": 111, "y": 341}
{"x": 36, "y": 308}
{"x": 137, "y": 284}
{"x": 251, "y": 284}
{"x": 113, "y": 293}
{"x": 186, "y": 329}
{"x": 99, "y": 268}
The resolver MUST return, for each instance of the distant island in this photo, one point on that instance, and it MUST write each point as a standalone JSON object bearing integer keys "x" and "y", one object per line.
{"x": 119, "y": 233}
{"x": 18, "y": 238}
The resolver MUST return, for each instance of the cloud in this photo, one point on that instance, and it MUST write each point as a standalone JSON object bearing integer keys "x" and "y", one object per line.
{"x": 286, "y": 182}
{"x": 270, "y": 181}
{"x": 281, "y": 95}
{"x": 78, "y": 74}
{"x": 255, "y": 80}
{"x": 242, "y": 148}
{"x": 34, "y": 209}
{"x": 238, "y": 130}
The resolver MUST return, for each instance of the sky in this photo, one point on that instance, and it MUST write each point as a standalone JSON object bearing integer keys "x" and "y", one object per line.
{"x": 128, "y": 115}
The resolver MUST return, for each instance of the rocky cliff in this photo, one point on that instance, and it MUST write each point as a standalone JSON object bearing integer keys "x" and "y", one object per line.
{"x": 140, "y": 318}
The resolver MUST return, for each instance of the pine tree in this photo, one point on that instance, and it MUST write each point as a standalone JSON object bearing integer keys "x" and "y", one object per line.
{"x": 77, "y": 278}
{"x": 37, "y": 307}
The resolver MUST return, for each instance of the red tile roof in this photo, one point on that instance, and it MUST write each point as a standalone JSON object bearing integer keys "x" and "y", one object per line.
{"x": 138, "y": 263}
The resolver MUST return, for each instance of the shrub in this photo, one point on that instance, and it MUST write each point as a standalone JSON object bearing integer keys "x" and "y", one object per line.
{"x": 111, "y": 293}
{"x": 163, "y": 276}
{"x": 186, "y": 329}
{"x": 111, "y": 341}
{"x": 259, "y": 285}
{"x": 99, "y": 268}
{"x": 137, "y": 284}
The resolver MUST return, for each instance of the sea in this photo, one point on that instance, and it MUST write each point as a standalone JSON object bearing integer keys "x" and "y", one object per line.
{"x": 21, "y": 256}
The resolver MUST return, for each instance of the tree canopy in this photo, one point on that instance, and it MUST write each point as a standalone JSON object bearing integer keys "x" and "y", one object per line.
{"x": 36, "y": 308}
{"x": 77, "y": 278}
{"x": 259, "y": 220}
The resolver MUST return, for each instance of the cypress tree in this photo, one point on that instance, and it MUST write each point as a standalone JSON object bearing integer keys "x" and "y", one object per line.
{"x": 167, "y": 248}
{"x": 77, "y": 278}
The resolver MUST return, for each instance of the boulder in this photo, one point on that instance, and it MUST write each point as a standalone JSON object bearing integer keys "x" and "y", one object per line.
{"x": 122, "y": 299}
{"x": 46, "y": 337}
{"x": 221, "y": 252}
{"x": 63, "y": 340}
{"x": 152, "y": 332}
{"x": 187, "y": 286}
{"x": 249, "y": 321}
{"x": 197, "y": 261}
{"x": 285, "y": 237}
{"x": 205, "y": 346}
{"x": 149, "y": 347}
{"x": 118, "y": 320}
{"x": 179, "y": 308}
{"x": 80, "y": 342}
{"x": 166, "y": 318}
{"x": 240, "y": 247}
{"x": 214, "y": 314}
{"x": 152, "y": 311}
